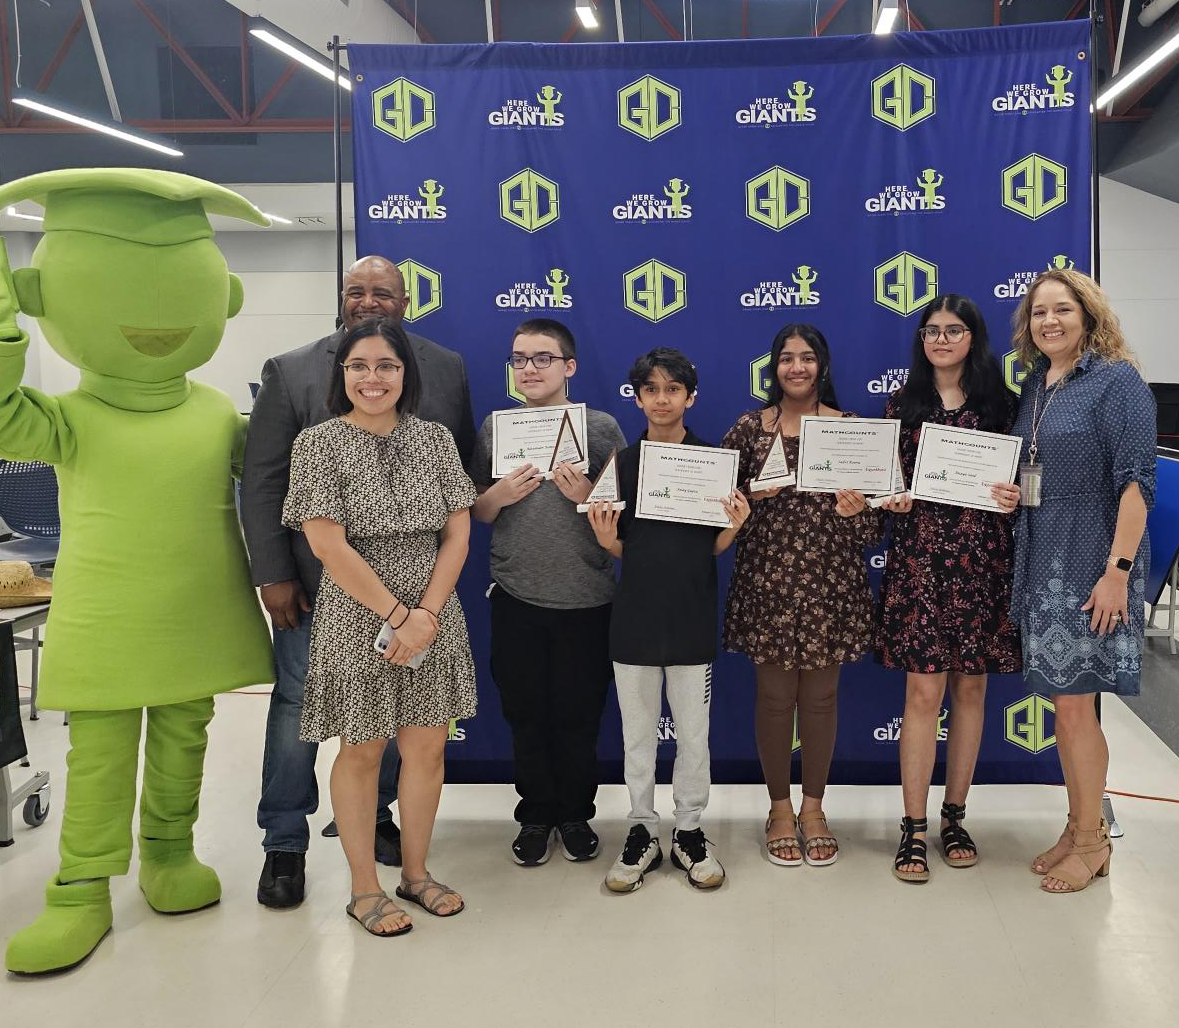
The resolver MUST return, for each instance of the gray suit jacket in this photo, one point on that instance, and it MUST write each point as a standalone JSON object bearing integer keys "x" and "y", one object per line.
{"x": 293, "y": 397}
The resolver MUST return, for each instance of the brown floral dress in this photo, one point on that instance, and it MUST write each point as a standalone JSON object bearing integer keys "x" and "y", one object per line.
{"x": 799, "y": 595}
{"x": 947, "y": 585}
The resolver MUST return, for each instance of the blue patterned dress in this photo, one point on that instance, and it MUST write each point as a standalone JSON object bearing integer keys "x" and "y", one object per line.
{"x": 1096, "y": 438}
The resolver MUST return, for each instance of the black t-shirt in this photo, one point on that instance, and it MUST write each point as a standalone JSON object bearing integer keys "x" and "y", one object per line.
{"x": 665, "y": 605}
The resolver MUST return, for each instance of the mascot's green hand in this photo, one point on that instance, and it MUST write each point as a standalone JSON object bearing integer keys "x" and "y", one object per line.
{"x": 8, "y": 305}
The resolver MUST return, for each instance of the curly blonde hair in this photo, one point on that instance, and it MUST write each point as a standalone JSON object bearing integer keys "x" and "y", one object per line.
{"x": 1103, "y": 333}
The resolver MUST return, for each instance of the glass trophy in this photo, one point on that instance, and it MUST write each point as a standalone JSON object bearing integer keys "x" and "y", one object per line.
{"x": 775, "y": 472}
{"x": 898, "y": 487}
{"x": 606, "y": 489}
{"x": 568, "y": 447}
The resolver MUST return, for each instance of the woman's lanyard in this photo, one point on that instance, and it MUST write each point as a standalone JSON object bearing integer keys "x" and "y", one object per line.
{"x": 1034, "y": 448}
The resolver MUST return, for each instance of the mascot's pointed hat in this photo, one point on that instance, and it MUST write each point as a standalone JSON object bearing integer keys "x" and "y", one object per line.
{"x": 159, "y": 208}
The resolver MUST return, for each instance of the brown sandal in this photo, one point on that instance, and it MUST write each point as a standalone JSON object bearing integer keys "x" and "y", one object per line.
{"x": 814, "y": 842}
{"x": 778, "y": 846}
{"x": 383, "y": 908}
{"x": 1045, "y": 860}
{"x": 1074, "y": 870}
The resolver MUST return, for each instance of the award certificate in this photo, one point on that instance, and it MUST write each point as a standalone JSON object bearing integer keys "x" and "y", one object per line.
{"x": 530, "y": 435}
{"x": 685, "y": 483}
{"x": 847, "y": 453}
{"x": 958, "y": 466}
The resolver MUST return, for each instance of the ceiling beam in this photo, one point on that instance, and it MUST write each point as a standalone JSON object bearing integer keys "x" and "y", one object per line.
{"x": 829, "y": 17}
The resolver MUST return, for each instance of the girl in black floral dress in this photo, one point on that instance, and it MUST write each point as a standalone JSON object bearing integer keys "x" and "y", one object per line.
{"x": 947, "y": 585}
{"x": 799, "y": 604}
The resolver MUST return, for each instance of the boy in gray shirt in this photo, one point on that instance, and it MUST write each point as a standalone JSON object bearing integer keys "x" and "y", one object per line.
{"x": 552, "y": 586}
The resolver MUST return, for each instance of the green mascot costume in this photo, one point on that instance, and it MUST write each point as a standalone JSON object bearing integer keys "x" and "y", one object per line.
{"x": 153, "y": 607}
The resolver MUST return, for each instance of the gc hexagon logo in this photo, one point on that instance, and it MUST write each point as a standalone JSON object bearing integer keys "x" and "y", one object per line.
{"x": 1014, "y": 372}
{"x": 423, "y": 286}
{"x": 1035, "y": 186}
{"x": 648, "y": 107}
{"x": 529, "y": 200}
{"x": 1026, "y": 723}
{"x": 654, "y": 290}
{"x": 761, "y": 377}
{"x": 403, "y": 109}
{"x": 903, "y": 96}
{"x": 513, "y": 392}
{"x": 905, "y": 283}
{"x": 777, "y": 198}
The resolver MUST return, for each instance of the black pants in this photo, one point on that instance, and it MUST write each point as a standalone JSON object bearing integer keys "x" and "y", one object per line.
{"x": 553, "y": 670}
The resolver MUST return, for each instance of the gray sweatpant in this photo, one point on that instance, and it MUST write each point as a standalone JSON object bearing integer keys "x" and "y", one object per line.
{"x": 689, "y": 695}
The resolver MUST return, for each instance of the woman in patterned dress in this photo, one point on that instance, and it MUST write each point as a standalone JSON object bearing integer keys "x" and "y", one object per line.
{"x": 1081, "y": 556}
{"x": 799, "y": 605}
{"x": 383, "y": 500}
{"x": 943, "y": 615}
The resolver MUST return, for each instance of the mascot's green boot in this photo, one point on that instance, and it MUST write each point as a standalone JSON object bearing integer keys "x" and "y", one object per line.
{"x": 76, "y": 918}
{"x": 172, "y": 878}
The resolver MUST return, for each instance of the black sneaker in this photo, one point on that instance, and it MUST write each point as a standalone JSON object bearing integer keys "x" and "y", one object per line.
{"x": 387, "y": 844}
{"x": 531, "y": 847}
{"x": 578, "y": 840}
{"x": 283, "y": 880}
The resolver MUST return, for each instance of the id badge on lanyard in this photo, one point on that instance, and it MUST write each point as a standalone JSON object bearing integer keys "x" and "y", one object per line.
{"x": 1031, "y": 478}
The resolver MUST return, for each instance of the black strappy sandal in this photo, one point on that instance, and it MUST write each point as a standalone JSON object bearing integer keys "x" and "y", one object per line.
{"x": 912, "y": 851}
{"x": 955, "y": 837}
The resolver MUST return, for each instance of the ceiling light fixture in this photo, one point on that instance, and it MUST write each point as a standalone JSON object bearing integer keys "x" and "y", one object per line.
{"x": 285, "y": 44}
{"x": 54, "y": 109}
{"x": 12, "y": 212}
{"x": 278, "y": 217}
{"x": 886, "y": 16}
{"x": 1124, "y": 81}
{"x": 587, "y": 14}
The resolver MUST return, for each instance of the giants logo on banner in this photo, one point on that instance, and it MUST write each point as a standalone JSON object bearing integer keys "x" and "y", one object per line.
{"x": 905, "y": 283}
{"x": 1026, "y": 723}
{"x": 1023, "y": 97}
{"x": 529, "y": 201}
{"x": 522, "y": 113}
{"x": 644, "y": 207}
{"x": 401, "y": 207}
{"x": 903, "y": 97}
{"x": 654, "y": 290}
{"x": 1016, "y": 285}
{"x": 1035, "y": 186}
{"x": 766, "y": 111}
{"x": 775, "y": 295}
{"x": 901, "y": 199}
{"x": 534, "y": 296}
{"x": 777, "y": 198}
{"x": 423, "y": 289}
{"x": 403, "y": 109}
{"x": 648, "y": 107}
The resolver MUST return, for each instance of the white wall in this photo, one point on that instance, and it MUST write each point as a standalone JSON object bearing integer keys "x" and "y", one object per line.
{"x": 1139, "y": 258}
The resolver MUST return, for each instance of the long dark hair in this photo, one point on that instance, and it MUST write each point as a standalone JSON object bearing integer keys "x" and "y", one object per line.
{"x": 981, "y": 381}
{"x": 817, "y": 342}
{"x": 393, "y": 334}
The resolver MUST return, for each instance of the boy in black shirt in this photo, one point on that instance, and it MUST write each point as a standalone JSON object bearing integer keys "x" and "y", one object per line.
{"x": 663, "y": 625}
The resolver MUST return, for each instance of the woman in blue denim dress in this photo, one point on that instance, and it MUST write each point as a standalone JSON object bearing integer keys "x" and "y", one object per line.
{"x": 1081, "y": 557}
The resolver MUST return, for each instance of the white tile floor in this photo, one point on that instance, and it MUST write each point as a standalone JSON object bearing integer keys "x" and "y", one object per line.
{"x": 841, "y": 946}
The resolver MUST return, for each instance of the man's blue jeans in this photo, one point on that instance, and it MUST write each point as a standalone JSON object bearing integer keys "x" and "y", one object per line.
{"x": 289, "y": 790}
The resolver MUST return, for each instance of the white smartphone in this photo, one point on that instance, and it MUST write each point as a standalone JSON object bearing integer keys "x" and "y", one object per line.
{"x": 386, "y": 638}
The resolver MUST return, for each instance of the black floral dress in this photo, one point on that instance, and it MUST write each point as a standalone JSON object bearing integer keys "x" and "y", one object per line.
{"x": 393, "y": 494}
{"x": 799, "y": 595}
{"x": 947, "y": 584}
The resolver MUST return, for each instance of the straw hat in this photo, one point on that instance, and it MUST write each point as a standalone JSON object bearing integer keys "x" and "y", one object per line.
{"x": 19, "y": 587}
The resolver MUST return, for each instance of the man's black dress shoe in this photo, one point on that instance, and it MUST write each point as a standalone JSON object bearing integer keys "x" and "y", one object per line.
{"x": 283, "y": 880}
{"x": 388, "y": 844}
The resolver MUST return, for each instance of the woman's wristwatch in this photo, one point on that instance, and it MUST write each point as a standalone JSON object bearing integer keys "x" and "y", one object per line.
{"x": 1121, "y": 563}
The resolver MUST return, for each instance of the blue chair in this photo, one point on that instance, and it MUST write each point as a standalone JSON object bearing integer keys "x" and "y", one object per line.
{"x": 28, "y": 506}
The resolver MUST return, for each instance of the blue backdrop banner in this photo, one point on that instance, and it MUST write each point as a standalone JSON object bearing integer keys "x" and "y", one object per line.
{"x": 701, "y": 195}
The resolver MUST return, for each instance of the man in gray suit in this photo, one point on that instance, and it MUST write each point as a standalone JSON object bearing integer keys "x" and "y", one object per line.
{"x": 292, "y": 398}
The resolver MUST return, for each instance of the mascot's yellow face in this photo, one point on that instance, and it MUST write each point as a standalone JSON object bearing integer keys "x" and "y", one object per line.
{"x": 132, "y": 310}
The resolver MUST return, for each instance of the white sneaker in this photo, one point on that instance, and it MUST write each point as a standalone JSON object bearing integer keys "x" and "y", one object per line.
{"x": 691, "y": 852}
{"x": 640, "y": 855}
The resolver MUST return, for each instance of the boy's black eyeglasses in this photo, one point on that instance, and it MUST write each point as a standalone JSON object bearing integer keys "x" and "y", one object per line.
{"x": 540, "y": 361}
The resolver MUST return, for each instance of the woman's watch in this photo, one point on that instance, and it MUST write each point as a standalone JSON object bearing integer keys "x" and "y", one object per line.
{"x": 1121, "y": 563}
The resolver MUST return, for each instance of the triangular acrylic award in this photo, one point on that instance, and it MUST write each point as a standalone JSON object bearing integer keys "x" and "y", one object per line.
{"x": 775, "y": 472}
{"x": 606, "y": 488}
{"x": 568, "y": 447}
{"x": 898, "y": 487}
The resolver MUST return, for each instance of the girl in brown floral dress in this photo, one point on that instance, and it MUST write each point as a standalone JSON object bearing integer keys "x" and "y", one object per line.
{"x": 947, "y": 587}
{"x": 799, "y": 604}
